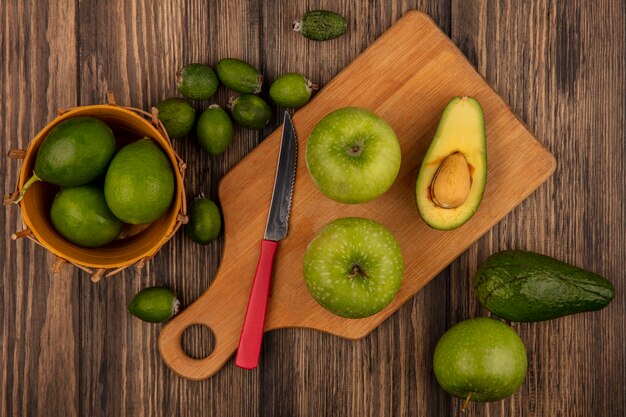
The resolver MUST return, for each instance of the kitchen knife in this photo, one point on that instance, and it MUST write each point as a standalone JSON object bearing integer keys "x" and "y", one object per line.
{"x": 275, "y": 230}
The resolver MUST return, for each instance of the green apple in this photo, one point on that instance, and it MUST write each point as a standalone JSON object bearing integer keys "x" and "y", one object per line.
{"x": 480, "y": 360}
{"x": 353, "y": 267}
{"x": 353, "y": 155}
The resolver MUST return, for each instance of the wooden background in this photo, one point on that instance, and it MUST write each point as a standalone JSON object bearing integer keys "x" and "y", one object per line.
{"x": 68, "y": 347}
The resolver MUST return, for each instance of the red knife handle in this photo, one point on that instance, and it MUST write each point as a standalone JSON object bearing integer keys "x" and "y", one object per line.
{"x": 254, "y": 322}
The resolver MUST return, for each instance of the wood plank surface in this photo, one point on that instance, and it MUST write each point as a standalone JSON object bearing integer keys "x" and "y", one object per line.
{"x": 412, "y": 62}
{"x": 68, "y": 347}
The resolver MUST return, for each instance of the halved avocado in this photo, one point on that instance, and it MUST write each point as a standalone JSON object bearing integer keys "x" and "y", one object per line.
{"x": 452, "y": 178}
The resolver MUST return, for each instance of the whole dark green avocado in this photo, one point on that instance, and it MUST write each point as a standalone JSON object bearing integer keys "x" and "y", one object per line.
{"x": 526, "y": 286}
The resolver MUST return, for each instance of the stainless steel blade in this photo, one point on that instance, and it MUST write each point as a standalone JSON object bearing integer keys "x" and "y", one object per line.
{"x": 278, "y": 217}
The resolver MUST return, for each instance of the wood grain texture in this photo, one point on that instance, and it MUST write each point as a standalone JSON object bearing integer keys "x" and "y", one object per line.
{"x": 413, "y": 62}
{"x": 68, "y": 346}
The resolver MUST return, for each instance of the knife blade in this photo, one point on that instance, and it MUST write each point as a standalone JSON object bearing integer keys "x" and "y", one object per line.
{"x": 276, "y": 229}
{"x": 278, "y": 216}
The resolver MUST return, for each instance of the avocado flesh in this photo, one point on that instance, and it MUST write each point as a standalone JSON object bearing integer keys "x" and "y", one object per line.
{"x": 461, "y": 129}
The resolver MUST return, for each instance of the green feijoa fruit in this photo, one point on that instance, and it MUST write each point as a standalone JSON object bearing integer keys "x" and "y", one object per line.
{"x": 526, "y": 286}
{"x": 321, "y": 25}
{"x": 214, "y": 130}
{"x": 480, "y": 360}
{"x": 250, "y": 111}
{"x": 197, "y": 81}
{"x": 205, "y": 221}
{"x": 177, "y": 116}
{"x": 81, "y": 215}
{"x": 140, "y": 183}
{"x": 291, "y": 90}
{"x": 239, "y": 76}
{"x": 75, "y": 152}
{"x": 154, "y": 305}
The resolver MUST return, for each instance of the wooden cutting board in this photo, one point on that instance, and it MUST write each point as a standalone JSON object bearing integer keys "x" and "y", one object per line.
{"x": 407, "y": 76}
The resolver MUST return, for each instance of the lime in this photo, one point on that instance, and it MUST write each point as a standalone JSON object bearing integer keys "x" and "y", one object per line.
{"x": 81, "y": 215}
{"x": 154, "y": 304}
{"x": 139, "y": 185}
{"x": 177, "y": 116}
{"x": 214, "y": 130}
{"x": 205, "y": 221}
{"x": 75, "y": 152}
{"x": 197, "y": 81}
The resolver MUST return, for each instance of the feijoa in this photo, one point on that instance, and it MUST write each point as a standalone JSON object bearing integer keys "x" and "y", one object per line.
{"x": 81, "y": 215}
{"x": 139, "y": 185}
{"x": 177, "y": 116}
{"x": 197, "y": 81}
{"x": 205, "y": 221}
{"x": 321, "y": 25}
{"x": 250, "y": 111}
{"x": 154, "y": 305}
{"x": 214, "y": 130}
{"x": 75, "y": 152}
{"x": 239, "y": 76}
{"x": 291, "y": 90}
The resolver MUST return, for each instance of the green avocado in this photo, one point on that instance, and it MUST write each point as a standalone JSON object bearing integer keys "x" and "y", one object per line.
{"x": 140, "y": 183}
{"x": 526, "y": 286}
{"x": 214, "y": 130}
{"x": 239, "y": 76}
{"x": 154, "y": 305}
{"x": 205, "y": 221}
{"x": 451, "y": 180}
{"x": 321, "y": 25}
{"x": 197, "y": 81}
{"x": 81, "y": 215}
{"x": 291, "y": 90}
{"x": 250, "y": 111}
{"x": 177, "y": 116}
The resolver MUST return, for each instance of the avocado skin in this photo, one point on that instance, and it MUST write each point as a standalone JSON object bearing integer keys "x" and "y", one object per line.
{"x": 323, "y": 25}
{"x": 526, "y": 286}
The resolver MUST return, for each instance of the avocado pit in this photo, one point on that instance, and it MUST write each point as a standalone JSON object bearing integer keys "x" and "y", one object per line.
{"x": 451, "y": 183}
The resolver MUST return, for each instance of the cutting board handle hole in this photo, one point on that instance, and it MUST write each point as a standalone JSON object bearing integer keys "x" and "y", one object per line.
{"x": 198, "y": 341}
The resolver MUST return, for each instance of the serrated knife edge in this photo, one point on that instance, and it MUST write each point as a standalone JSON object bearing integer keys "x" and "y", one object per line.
{"x": 284, "y": 181}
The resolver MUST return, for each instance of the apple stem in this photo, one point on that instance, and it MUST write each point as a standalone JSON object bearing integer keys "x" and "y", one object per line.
{"x": 355, "y": 149}
{"x": 357, "y": 271}
{"x": 466, "y": 402}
